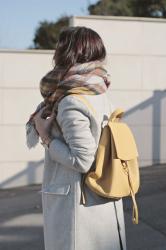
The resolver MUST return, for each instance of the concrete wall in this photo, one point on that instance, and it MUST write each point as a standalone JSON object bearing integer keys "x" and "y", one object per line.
{"x": 136, "y": 61}
{"x": 20, "y": 72}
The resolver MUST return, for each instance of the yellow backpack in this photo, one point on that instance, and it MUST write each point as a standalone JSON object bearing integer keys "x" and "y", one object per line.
{"x": 116, "y": 174}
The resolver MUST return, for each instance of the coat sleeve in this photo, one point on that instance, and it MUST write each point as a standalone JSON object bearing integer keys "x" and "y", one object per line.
{"x": 78, "y": 149}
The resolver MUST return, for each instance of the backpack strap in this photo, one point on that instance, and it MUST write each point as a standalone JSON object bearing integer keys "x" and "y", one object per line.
{"x": 135, "y": 208}
{"x": 85, "y": 101}
{"x": 83, "y": 194}
{"x": 116, "y": 115}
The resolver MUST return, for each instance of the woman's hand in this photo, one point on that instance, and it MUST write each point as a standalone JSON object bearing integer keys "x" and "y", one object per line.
{"x": 43, "y": 126}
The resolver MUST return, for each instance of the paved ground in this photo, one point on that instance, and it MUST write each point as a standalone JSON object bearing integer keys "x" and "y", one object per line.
{"x": 21, "y": 215}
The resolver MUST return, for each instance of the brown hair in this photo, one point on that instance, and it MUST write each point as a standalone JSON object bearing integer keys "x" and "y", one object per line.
{"x": 77, "y": 45}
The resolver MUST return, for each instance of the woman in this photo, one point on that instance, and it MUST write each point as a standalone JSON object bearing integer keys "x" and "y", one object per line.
{"x": 70, "y": 135}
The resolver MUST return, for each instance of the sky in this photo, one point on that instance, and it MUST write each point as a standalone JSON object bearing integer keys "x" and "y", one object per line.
{"x": 20, "y": 18}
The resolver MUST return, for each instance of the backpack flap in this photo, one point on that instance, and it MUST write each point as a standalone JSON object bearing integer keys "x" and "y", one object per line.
{"x": 125, "y": 145}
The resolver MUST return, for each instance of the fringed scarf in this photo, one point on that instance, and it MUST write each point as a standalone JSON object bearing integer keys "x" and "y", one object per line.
{"x": 89, "y": 78}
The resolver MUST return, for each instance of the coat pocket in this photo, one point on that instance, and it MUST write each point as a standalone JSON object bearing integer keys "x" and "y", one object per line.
{"x": 56, "y": 189}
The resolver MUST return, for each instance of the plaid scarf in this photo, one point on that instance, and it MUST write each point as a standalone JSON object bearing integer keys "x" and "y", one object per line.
{"x": 89, "y": 78}
{"x": 81, "y": 79}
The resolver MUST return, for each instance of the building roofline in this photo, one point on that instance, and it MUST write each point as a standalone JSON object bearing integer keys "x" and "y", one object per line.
{"x": 119, "y": 18}
{"x": 27, "y": 51}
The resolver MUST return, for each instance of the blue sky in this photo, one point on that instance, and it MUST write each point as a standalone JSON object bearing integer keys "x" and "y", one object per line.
{"x": 20, "y": 18}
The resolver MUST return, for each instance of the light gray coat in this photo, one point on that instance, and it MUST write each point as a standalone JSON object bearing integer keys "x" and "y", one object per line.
{"x": 69, "y": 225}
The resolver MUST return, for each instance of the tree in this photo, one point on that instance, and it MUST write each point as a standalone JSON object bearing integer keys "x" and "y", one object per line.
{"x": 140, "y": 8}
{"x": 149, "y": 8}
{"x": 111, "y": 7}
{"x": 47, "y": 33}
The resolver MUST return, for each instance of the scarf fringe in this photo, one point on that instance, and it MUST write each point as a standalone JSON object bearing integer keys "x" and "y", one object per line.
{"x": 32, "y": 136}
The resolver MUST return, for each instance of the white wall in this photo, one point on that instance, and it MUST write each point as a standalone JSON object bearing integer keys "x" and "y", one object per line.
{"x": 137, "y": 64}
{"x": 136, "y": 61}
{"x": 20, "y": 73}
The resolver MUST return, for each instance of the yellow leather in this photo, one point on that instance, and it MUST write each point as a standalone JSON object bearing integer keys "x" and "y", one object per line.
{"x": 116, "y": 174}
{"x": 122, "y": 135}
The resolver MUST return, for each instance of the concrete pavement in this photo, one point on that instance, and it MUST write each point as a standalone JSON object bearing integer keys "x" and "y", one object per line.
{"x": 21, "y": 220}
{"x": 150, "y": 233}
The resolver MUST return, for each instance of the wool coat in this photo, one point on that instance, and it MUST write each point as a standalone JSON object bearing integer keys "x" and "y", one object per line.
{"x": 68, "y": 224}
